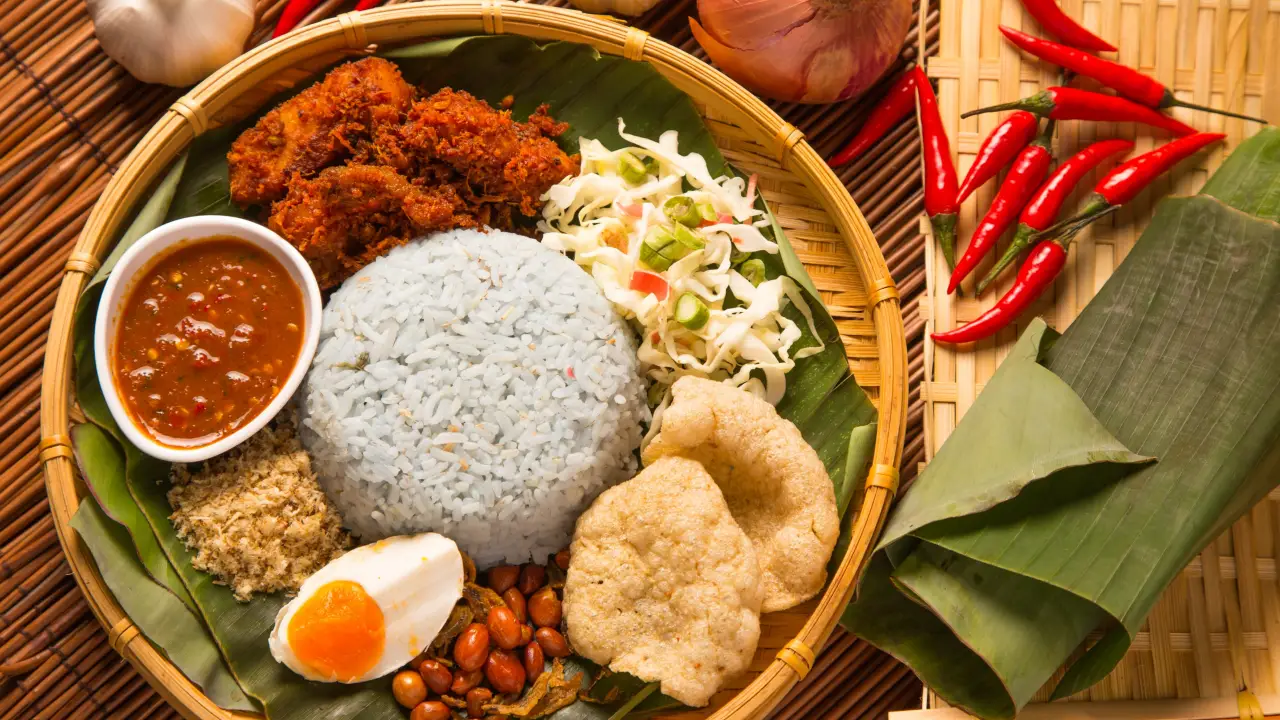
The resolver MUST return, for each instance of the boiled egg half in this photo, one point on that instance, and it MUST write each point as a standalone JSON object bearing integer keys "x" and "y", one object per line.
{"x": 370, "y": 611}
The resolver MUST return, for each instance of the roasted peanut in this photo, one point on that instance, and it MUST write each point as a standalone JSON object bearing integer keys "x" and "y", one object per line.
{"x": 437, "y": 677}
{"x": 503, "y": 577}
{"x": 476, "y": 699}
{"x": 504, "y": 671}
{"x": 471, "y": 647}
{"x": 504, "y": 628}
{"x": 544, "y": 608}
{"x": 409, "y": 689}
{"x": 526, "y": 634}
{"x": 432, "y": 710}
{"x": 552, "y": 642}
{"x": 515, "y": 600}
{"x": 562, "y": 559}
{"x": 534, "y": 660}
{"x": 465, "y": 680}
{"x": 532, "y": 577}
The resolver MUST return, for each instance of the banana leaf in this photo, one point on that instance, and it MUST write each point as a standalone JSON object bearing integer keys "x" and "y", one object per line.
{"x": 240, "y": 630}
{"x": 583, "y": 88}
{"x": 1042, "y": 519}
{"x": 116, "y": 501}
{"x": 163, "y": 620}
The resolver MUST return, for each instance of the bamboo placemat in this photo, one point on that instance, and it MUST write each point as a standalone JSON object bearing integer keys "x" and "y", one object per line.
{"x": 1216, "y": 631}
{"x": 70, "y": 115}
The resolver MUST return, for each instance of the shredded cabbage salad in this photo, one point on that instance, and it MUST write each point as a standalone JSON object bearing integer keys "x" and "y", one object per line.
{"x": 668, "y": 257}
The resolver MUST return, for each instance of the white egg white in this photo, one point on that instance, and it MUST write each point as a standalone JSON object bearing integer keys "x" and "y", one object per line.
{"x": 415, "y": 579}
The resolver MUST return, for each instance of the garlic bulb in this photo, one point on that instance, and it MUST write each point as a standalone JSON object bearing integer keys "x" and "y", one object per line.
{"x": 174, "y": 42}
{"x": 621, "y": 7}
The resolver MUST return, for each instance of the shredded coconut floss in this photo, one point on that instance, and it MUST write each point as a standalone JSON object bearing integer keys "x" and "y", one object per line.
{"x": 256, "y": 517}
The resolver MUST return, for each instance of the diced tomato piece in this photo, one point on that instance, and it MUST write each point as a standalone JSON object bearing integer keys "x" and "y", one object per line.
{"x": 723, "y": 218}
{"x": 569, "y": 371}
{"x": 652, "y": 283}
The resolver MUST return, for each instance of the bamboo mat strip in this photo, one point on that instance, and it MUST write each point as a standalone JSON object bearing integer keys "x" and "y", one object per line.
{"x": 70, "y": 115}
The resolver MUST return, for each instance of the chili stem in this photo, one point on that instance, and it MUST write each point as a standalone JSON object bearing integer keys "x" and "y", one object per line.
{"x": 1179, "y": 103}
{"x": 1023, "y": 239}
{"x": 1073, "y": 225}
{"x": 1017, "y": 105}
{"x": 944, "y": 232}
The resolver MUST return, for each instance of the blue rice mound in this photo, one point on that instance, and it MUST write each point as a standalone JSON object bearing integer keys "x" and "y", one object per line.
{"x": 474, "y": 384}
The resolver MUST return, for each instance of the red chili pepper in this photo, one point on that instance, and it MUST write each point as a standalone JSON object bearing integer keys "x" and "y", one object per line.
{"x": 1042, "y": 210}
{"x": 368, "y": 4}
{"x": 1024, "y": 177}
{"x": 940, "y": 193}
{"x": 292, "y": 15}
{"x": 1124, "y": 80}
{"x": 1036, "y": 274}
{"x": 1058, "y": 24}
{"x": 897, "y": 103}
{"x": 1001, "y": 146}
{"x": 1128, "y": 179}
{"x": 1063, "y": 103}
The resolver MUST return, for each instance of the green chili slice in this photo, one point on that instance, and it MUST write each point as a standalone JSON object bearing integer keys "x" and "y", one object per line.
{"x": 752, "y": 270}
{"x": 681, "y": 209}
{"x": 687, "y": 239}
{"x": 691, "y": 312}
{"x": 631, "y": 169}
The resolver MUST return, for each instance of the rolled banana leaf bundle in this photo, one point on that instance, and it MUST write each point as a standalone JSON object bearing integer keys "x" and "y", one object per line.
{"x": 1095, "y": 465}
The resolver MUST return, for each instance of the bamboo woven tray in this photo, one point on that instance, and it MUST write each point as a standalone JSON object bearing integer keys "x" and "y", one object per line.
{"x": 808, "y": 199}
{"x": 1216, "y": 632}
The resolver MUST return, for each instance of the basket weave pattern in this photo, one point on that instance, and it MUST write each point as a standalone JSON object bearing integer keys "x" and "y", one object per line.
{"x": 1216, "y": 631}
{"x": 828, "y": 231}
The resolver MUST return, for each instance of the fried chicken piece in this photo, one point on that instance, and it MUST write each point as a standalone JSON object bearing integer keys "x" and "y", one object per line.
{"x": 348, "y": 216}
{"x": 319, "y": 126}
{"x": 494, "y": 160}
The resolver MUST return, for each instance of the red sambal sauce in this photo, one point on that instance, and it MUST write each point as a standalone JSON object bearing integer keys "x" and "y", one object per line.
{"x": 207, "y": 337}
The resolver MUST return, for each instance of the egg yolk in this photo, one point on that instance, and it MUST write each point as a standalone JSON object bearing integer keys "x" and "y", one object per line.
{"x": 339, "y": 631}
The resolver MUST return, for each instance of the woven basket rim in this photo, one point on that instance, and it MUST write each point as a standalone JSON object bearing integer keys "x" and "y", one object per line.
{"x": 189, "y": 117}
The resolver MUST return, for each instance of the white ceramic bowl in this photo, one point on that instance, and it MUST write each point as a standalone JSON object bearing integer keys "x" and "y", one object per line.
{"x": 139, "y": 258}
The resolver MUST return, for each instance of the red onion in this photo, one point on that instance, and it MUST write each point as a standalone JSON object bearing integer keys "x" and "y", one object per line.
{"x": 811, "y": 51}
